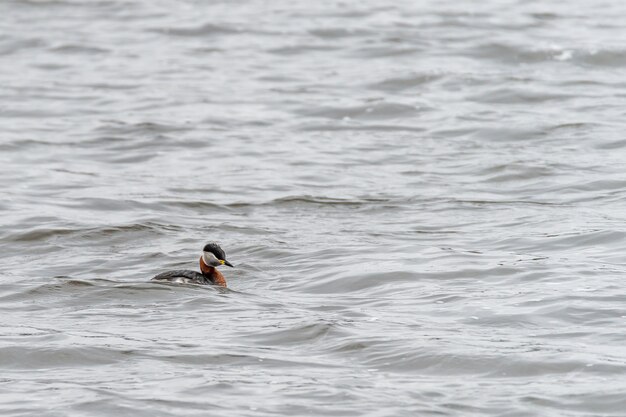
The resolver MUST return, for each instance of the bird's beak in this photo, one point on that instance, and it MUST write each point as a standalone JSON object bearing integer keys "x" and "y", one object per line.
{"x": 223, "y": 262}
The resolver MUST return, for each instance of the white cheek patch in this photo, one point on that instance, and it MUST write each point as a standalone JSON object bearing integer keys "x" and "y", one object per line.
{"x": 209, "y": 258}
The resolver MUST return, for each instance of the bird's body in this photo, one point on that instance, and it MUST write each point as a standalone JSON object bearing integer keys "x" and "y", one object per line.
{"x": 212, "y": 256}
{"x": 182, "y": 276}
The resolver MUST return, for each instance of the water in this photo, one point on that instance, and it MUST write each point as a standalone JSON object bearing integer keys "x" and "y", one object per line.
{"x": 424, "y": 202}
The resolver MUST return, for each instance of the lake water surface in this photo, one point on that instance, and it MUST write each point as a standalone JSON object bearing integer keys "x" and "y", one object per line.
{"x": 425, "y": 203}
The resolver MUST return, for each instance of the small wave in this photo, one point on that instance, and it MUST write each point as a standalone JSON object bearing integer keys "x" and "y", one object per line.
{"x": 79, "y": 49}
{"x": 37, "y": 358}
{"x": 403, "y": 83}
{"x": 40, "y": 234}
{"x": 207, "y": 29}
{"x": 375, "y": 111}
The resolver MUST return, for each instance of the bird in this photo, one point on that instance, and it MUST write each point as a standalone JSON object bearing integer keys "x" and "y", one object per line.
{"x": 212, "y": 257}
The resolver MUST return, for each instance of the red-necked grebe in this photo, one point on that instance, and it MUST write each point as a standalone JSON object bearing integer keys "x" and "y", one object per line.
{"x": 212, "y": 257}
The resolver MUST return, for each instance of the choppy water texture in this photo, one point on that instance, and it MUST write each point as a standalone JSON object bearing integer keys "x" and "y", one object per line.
{"x": 424, "y": 201}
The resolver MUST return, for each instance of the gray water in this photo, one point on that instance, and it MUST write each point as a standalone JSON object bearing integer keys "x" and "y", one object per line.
{"x": 424, "y": 202}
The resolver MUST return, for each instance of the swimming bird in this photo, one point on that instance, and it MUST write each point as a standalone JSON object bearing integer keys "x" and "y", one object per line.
{"x": 212, "y": 257}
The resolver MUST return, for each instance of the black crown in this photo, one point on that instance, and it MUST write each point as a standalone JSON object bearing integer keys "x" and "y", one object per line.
{"x": 215, "y": 249}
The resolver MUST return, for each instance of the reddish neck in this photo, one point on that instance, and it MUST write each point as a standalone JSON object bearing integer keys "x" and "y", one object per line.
{"x": 212, "y": 274}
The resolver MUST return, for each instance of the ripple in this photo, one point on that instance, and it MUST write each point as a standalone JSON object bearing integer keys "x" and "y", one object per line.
{"x": 409, "y": 82}
{"x": 376, "y": 111}
{"x": 19, "y": 357}
{"x": 79, "y": 49}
